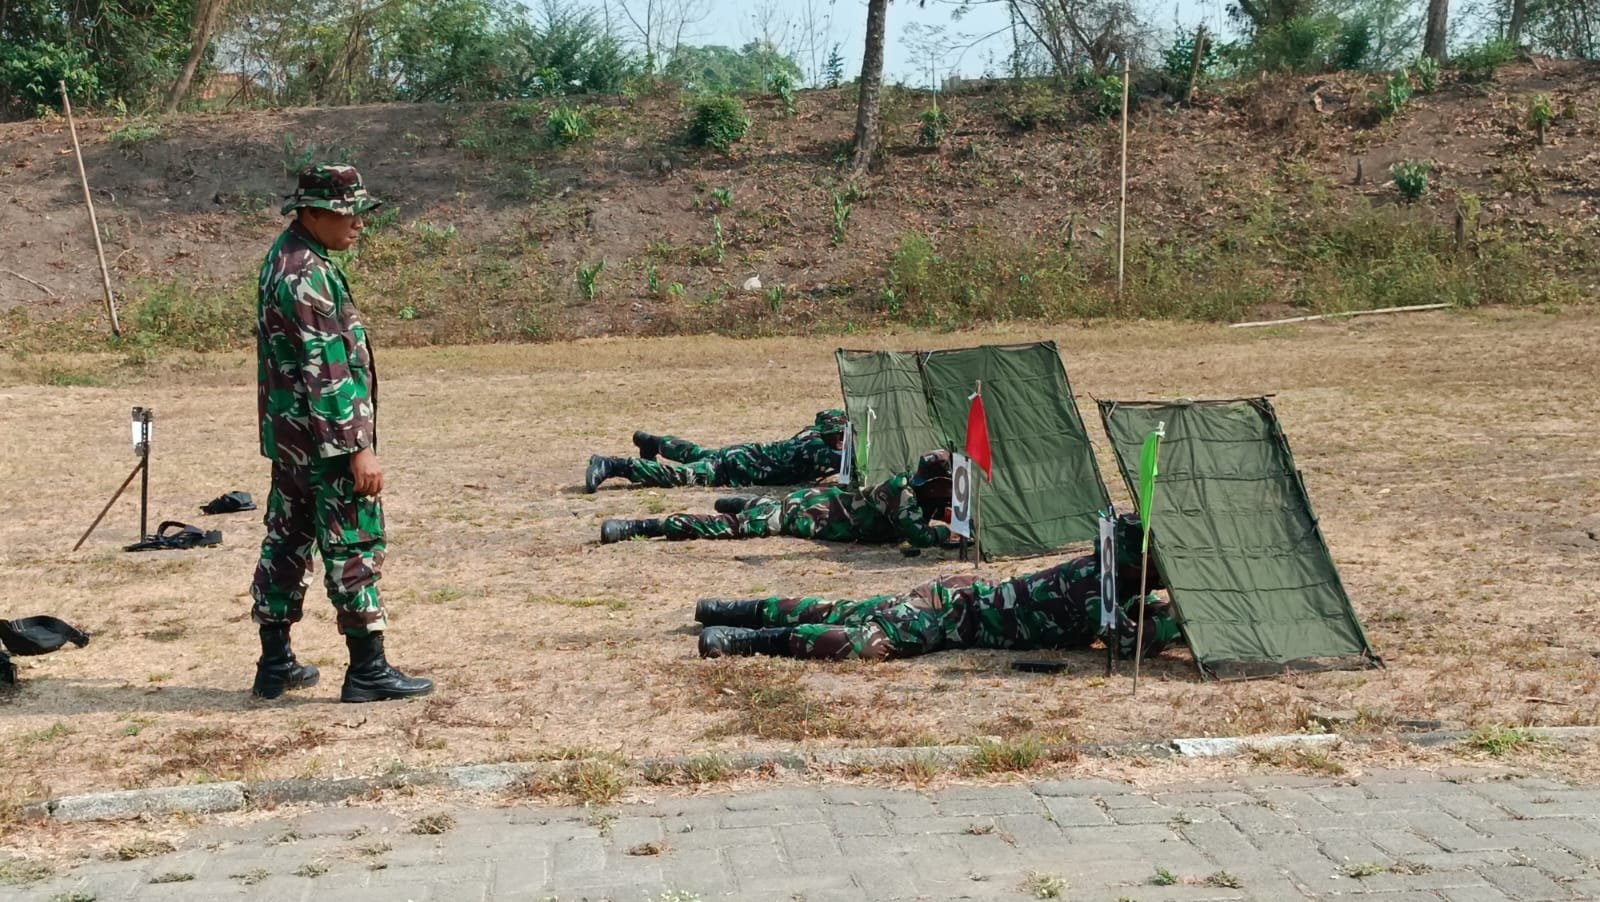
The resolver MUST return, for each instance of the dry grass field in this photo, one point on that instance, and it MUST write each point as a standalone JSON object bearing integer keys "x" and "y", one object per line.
{"x": 1449, "y": 457}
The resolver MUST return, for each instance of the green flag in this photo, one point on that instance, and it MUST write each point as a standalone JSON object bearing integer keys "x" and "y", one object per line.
{"x": 1147, "y": 479}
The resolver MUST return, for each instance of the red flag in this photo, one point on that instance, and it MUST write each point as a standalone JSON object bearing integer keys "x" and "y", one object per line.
{"x": 978, "y": 435}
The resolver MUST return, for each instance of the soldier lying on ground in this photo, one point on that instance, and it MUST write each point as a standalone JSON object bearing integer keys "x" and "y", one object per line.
{"x": 1058, "y": 607}
{"x": 896, "y": 510}
{"x": 811, "y": 454}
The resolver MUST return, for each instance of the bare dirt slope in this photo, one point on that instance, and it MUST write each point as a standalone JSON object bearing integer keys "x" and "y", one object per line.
{"x": 1449, "y": 457}
{"x": 197, "y": 197}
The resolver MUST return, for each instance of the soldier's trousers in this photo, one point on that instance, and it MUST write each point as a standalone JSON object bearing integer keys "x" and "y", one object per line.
{"x": 730, "y": 466}
{"x": 317, "y": 506}
{"x": 760, "y": 518}
{"x": 883, "y": 626}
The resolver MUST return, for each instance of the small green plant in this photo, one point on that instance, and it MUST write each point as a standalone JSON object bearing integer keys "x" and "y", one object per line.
{"x": 589, "y": 279}
{"x": 675, "y": 290}
{"x": 407, "y": 313}
{"x": 720, "y": 121}
{"x": 1362, "y": 869}
{"x": 75, "y": 896}
{"x": 1498, "y": 740}
{"x": 135, "y": 133}
{"x": 1224, "y": 880}
{"x": 172, "y": 877}
{"x": 934, "y": 123}
{"x": 1411, "y": 178}
{"x": 251, "y": 878}
{"x": 435, "y": 238}
{"x": 723, "y": 198}
{"x": 775, "y": 299}
{"x": 1540, "y": 115}
{"x": 842, "y": 205}
{"x": 708, "y": 767}
{"x": 833, "y": 69}
{"x": 1044, "y": 886}
{"x": 311, "y": 869}
{"x": 783, "y": 86}
{"x": 51, "y": 733}
{"x": 652, "y": 280}
{"x": 1396, "y": 92}
{"x": 1164, "y": 877}
{"x": 566, "y": 125}
{"x": 719, "y": 241}
{"x": 1427, "y": 71}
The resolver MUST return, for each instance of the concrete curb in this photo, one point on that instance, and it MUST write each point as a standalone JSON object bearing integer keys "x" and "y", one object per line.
{"x": 497, "y": 779}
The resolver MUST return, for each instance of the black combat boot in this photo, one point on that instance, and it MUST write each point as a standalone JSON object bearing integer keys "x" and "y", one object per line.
{"x": 649, "y": 445}
{"x": 600, "y": 469}
{"x": 371, "y": 678}
{"x": 278, "y": 671}
{"x": 732, "y": 504}
{"x": 618, "y": 530}
{"x": 717, "y": 641}
{"x": 719, "y": 612}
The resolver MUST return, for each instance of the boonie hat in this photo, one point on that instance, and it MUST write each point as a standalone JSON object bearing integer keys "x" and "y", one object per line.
{"x": 331, "y": 186}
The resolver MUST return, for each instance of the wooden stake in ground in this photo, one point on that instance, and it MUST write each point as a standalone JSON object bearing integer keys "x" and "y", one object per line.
{"x": 1122, "y": 216}
{"x": 94, "y": 224}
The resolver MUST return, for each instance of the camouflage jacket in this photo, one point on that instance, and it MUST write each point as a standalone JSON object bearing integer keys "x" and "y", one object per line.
{"x": 887, "y": 512}
{"x": 806, "y": 457}
{"x": 317, "y": 391}
{"x": 1058, "y": 607}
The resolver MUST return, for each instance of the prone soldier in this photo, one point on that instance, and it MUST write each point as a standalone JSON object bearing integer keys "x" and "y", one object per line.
{"x": 808, "y": 455}
{"x": 898, "y": 509}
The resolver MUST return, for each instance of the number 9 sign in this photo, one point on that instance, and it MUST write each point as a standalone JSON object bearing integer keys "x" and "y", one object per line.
{"x": 961, "y": 495}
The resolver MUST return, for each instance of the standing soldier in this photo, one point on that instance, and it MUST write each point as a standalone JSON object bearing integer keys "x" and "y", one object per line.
{"x": 811, "y": 454}
{"x": 1058, "y": 607}
{"x": 318, "y": 399}
{"x": 895, "y": 510}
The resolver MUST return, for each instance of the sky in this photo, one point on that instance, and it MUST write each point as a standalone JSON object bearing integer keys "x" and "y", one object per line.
{"x": 734, "y": 22}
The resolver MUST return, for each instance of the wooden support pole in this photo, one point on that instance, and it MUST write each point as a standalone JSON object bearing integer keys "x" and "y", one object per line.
{"x": 94, "y": 224}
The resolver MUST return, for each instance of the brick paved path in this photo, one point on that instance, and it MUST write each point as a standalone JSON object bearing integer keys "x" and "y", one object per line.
{"x": 1396, "y": 836}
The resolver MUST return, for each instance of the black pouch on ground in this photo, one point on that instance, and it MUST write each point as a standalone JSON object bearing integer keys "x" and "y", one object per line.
{"x": 172, "y": 534}
{"x": 230, "y": 503}
{"x": 39, "y": 635}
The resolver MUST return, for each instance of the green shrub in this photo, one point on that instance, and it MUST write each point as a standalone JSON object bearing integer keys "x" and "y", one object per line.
{"x": 720, "y": 121}
{"x": 1101, "y": 95}
{"x": 1396, "y": 92}
{"x": 1540, "y": 115}
{"x": 566, "y": 125}
{"x": 1411, "y": 178}
{"x": 1427, "y": 72}
{"x": 1479, "y": 62}
{"x": 1034, "y": 106}
{"x": 1177, "y": 60}
{"x": 783, "y": 86}
{"x": 191, "y": 317}
{"x": 1302, "y": 44}
{"x": 933, "y": 125}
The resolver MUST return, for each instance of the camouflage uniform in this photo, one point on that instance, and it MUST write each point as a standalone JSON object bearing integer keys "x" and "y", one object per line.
{"x": 887, "y": 512}
{"x": 806, "y": 457}
{"x": 317, "y": 402}
{"x": 1054, "y": 608}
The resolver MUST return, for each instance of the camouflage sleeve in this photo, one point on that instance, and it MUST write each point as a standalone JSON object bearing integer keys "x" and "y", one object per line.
{"x": 334, "y": 369}
{"x": 913, "y": 524}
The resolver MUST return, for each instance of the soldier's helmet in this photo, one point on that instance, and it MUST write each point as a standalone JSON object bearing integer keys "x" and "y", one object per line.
{"x": 830, "y": 423}
{"x": 331, "y": 186}
{"x": 933, "y": 466}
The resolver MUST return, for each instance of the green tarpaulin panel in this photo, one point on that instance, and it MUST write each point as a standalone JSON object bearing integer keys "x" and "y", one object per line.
{"x": 1236, "y": 540}
{"x": 886, "y": 399}
{"x": 1047, "y": 489}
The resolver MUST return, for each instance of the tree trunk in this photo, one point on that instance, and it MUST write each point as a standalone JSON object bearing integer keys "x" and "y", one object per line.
{"x": 206, "y": 13}
{"x": 1433, "y": 37}
{"x": 1519, "y": 13}
{"x": 869, "y": 132}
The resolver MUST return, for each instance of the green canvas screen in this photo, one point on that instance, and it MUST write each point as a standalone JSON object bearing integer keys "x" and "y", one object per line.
{"x": 1236, "y": 541}
{"x": 1046, "y": 490}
